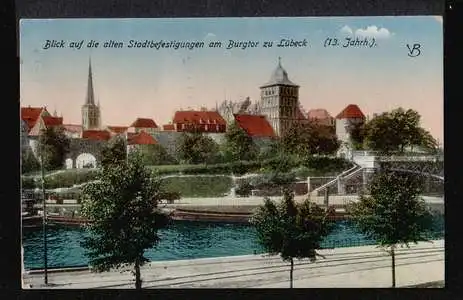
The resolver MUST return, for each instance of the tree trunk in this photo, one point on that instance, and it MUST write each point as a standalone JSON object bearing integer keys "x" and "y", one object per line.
{"x": 137, "y": 275}
{"x": 393, "y": 266}
{"x": 291, "y": 274}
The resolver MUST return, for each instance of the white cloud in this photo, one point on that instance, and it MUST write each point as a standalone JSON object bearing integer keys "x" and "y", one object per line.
{"x": 373, "y": 31}
{"x": 347, "y": 30}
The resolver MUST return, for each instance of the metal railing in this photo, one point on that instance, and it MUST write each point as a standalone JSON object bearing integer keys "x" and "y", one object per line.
{"x": 356, "y": 168}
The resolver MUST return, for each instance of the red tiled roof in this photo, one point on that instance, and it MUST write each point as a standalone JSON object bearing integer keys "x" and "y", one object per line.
{"x": 52, "y": 121}
{"x": 144, "y": 123}
{"x": 141, "y": 138}
{"x": 168, "y": 127}
{"x": 72, "y": 128}
{"x": 100, "y": 135}
{"x": 118, "y": 129}
{"x": 198, "y": 117}
{"x": 30, "y": 115}
{"x": 352, "y": 111}
{"x": 255, "y": 125}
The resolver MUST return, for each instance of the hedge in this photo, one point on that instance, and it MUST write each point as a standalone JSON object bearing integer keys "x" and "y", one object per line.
{"x": 64, "y": 179}
{"x": 201, "y": 186}
{"x": 313, "y": 166}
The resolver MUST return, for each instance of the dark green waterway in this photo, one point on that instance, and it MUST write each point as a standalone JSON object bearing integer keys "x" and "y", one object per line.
{"x": 183, "y": 240}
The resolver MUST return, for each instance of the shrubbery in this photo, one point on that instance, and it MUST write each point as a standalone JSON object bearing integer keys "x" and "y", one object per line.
{"x": 244, "y": 189}
{"x": 70, "y": 178}
{"x": 237, "y": 168}
{"x": 201, "y": 186}
{"x": 324, "y": 164}
{"x": 28, "y": 182}
{"x": 283, "y": 166}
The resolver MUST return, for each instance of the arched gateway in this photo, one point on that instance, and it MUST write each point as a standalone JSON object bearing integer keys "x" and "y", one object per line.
{"x": 84, "y": 153}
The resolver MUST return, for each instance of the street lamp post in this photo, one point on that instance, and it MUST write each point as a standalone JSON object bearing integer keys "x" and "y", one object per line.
{"x": 44, "y": 223}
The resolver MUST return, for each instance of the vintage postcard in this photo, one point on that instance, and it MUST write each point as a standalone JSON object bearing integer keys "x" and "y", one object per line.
{"x": 232, "y": 152}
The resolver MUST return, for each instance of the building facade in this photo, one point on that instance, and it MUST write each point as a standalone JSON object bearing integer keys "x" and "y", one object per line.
{"x": 204, "y": 121}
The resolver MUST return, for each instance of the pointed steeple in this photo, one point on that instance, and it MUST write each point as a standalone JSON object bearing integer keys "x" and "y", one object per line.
{"x": 90, "y": 98}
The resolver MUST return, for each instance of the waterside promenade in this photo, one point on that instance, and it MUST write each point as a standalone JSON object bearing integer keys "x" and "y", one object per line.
{"x": 222, "y": 209}
{"x": 365, "y": 266}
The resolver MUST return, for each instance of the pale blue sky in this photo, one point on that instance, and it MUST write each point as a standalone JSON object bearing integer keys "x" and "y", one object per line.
{"x": 133, "y": 83}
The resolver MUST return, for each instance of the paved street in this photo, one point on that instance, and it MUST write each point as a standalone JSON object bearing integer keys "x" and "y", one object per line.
{"x": 365, "y": 266}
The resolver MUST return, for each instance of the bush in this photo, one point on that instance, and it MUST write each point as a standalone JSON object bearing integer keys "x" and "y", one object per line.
{"x": 281, "y": 163}
{"x": 29, "y": 162}
{"x": 201, "y": 186}
{"x": 170, "y": 196}
{"x": 271, "y": 180}
{"x": 244, "y": 189}
{"x": 28, "y": 182}
{"x": 69, "y": 178}
{"x": 237, "y": 168}
{"x": 325, "y": 164}
{"x": 302, "y": 172}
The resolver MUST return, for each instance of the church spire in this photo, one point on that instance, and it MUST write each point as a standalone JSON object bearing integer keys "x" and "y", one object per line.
{"x": 90, "y": 99}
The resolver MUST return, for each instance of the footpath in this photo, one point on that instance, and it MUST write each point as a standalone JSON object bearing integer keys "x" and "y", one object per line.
{"x": 361, "y": 267}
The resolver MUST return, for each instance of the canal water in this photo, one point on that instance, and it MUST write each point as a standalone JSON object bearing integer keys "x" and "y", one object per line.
{"x": 183, "y": 240}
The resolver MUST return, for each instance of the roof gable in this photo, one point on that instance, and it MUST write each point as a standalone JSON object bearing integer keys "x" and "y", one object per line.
{"x": 254, "y": 125}
{"x": 144, "y": 123}
{"x": 141, "y": 138}
{"x": 31, "y": 114}
{"x": 168, "y": 127}
{"x": 199, "y": 117}
{"x": 52, "y": 121}
{"x": 98, "y": 135}
{"x": 352, "y": 111}
{"x": 118, "y": 129}
{"x": 72, "y": 128}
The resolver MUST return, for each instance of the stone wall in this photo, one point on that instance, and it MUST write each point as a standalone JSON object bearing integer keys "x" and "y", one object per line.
{"x": 79, "y": 146}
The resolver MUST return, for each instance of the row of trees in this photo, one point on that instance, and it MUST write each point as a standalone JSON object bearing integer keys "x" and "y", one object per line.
{"x": 124, "y": 218}
{"x": 392, "y": 131}
{"x": 302, "y": 140}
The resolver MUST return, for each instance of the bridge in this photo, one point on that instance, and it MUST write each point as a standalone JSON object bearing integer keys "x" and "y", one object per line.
{"x": 351, "y": 181}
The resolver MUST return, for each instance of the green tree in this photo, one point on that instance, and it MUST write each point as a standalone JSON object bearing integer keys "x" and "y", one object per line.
{"x": 238, "y": 144}
{"x": 29, "y": 162}
{"x": 123, "y": 217}
{"x": 196, "y": 148}
{"x": 396, "y": 130}
{"x": 291, "y": 230}
{"x": 356, "y": 132}
{"x": 53, "y": 145}
{"x": 155, "y": 155}
{"x": 269, "y": 149}
{"x": 393, "y": 213}
{"x": 114, "y": 152}
{"x": 311, "y": 138}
